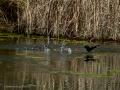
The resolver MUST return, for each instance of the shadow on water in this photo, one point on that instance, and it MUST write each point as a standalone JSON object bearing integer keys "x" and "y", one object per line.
{"x": 89, "y": 57}
{"x": 26, "y": 65}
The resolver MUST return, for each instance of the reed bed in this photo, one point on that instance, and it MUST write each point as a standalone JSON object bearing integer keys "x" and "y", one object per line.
{"x": 81, "y": 19}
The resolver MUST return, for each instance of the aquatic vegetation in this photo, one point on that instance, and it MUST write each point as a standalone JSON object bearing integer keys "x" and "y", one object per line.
{"x": 29, "y": 84}
{"x": 58, "y": 39}
{"x": 64, "y": 71}
{"x": 99, "y": 63}
{"x": 1, "y": 39}
{"x": 17, "y": 57}
{"x": 72, "y": 72}
{"x": 3, "y": 36}
{"x": 37, "y": 57}
{"x": 79, "y": 73}
{"x": 99, "y": 83}
{"x": 0, "y": 62}
{"x": 8, "y": 66}
{"x": 54, "y": 72}
{"x": 19, "y": 54}
{"x": 37, "y": 37}
{"x": 114, "y": 71}
{"x": 108, "y": 54}
{"x": 98, "y": 55}
{"x": 99, "y": 75}
{"x": 107, "y": 42}
{"x": 26, "y": 81}
{"x": 34, "y": 57}
{"x": 83, "y": 42}
{"x": 105, "y": 55}
{"x": 9, "y": 86}
{"x": 78, "y": 57}
{"x": 10, "y": 35}
{"x": 109, "y": 67}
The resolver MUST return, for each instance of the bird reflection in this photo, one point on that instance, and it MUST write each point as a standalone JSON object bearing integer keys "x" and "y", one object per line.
{"x": 89, "y": 57}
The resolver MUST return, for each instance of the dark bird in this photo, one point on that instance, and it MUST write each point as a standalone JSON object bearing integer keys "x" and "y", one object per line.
{"x": 91, "y": 48}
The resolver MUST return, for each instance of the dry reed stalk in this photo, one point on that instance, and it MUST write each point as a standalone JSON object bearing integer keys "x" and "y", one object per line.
{"x": 81, "y": 18}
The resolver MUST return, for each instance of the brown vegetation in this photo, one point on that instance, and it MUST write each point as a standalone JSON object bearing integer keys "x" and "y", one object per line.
{"x": 83, "y": 19}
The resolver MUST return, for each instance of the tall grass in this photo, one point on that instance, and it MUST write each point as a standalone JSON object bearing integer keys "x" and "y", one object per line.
{"x": 83, "y": 19}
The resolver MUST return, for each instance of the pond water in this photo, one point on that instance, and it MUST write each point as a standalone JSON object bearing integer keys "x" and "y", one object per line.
{"x": 26, "y": 65}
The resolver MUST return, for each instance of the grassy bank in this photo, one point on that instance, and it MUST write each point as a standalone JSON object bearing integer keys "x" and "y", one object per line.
{"x": 80, "y": 19}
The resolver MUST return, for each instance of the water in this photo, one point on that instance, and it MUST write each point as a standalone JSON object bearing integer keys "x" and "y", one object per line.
{"x": 24, "y": 64}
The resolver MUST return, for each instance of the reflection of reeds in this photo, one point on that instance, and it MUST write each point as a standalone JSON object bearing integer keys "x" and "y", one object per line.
{"x": 74, "y": 74}
{"x": 80, "y": 19}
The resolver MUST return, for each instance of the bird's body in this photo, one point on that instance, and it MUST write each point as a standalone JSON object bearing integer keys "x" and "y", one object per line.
{"x": 91, "y": 48}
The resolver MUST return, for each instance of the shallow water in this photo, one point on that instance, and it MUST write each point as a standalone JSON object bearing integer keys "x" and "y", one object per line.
{"x": 25, "y": 65}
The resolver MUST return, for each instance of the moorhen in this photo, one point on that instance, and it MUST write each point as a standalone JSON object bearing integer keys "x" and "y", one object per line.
{"x": 91, "y": 48}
